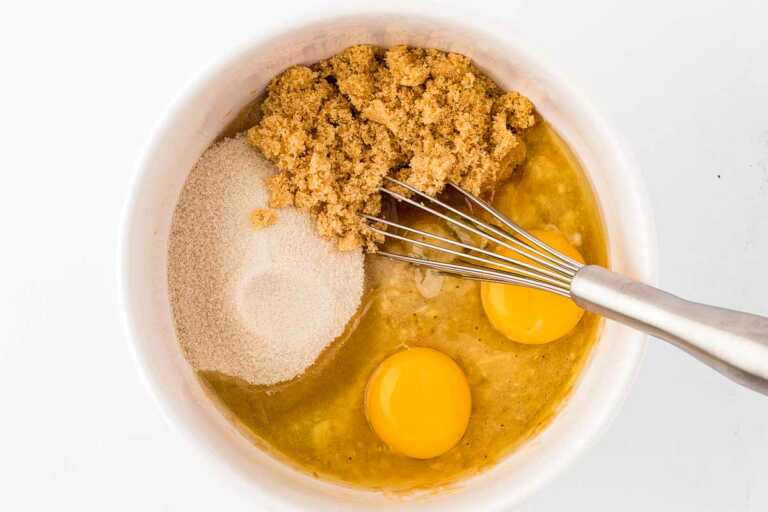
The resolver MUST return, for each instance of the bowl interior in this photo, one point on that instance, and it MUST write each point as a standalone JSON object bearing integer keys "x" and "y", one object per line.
{"x": 209, "y": 105}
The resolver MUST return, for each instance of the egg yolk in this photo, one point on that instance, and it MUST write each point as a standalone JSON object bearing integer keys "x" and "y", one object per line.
{"x": 527, "y": 315}
{"x": 418, "y": 402}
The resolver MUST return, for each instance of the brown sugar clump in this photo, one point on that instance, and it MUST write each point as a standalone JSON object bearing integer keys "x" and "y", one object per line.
{"x": 337, "y": 128}
{"x": 263, "y": 217}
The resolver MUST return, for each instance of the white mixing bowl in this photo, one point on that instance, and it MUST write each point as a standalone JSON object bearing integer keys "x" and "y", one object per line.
{"x": 206, "y": 107}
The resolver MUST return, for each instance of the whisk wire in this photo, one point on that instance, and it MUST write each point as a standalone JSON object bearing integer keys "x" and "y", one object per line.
{"x": 540, "y": 257}
{"x": 477, "y": 273}
{"x": 518, "y": 247}
{"x": 564, "y": 259}
{"x": 509, "y": 264}
{"x": 551, "y": 270}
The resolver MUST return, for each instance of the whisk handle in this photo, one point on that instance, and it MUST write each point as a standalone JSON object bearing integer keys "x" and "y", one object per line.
{"x": 731, "y": 342}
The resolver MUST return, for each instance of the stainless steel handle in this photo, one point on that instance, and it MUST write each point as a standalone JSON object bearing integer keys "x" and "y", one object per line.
{"x": 731, "y": 342}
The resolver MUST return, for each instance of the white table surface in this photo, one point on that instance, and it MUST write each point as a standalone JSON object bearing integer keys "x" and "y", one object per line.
{"x": 686, "y": 83}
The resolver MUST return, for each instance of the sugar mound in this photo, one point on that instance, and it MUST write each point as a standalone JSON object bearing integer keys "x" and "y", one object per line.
{"x": 255, "y": 304}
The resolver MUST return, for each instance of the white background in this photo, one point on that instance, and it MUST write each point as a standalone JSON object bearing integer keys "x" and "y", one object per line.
{"x": 686, "y": 83}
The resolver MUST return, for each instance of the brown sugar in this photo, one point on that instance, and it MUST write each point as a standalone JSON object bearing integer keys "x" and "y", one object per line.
{"x": 337, "y": 128}
{"x": 263, "y": 217}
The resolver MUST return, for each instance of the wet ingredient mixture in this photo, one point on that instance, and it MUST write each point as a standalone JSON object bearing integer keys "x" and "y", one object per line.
{"x": 318, "y": 422}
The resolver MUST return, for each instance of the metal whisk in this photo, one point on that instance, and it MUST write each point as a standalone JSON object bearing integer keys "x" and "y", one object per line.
{"x": 731, "y": 342}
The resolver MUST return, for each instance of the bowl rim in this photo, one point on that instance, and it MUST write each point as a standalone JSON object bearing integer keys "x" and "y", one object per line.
{"x": 634, "y": 177}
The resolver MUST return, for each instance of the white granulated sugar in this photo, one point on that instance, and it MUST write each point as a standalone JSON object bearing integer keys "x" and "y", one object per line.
{"x": 255, "y": 304}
